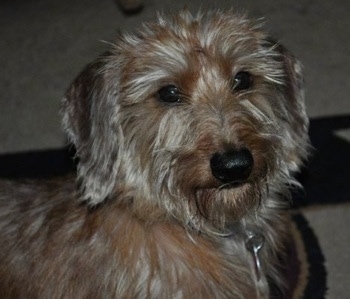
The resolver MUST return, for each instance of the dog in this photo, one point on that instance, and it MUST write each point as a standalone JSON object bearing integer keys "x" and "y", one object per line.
{"x": 187, "y": 135}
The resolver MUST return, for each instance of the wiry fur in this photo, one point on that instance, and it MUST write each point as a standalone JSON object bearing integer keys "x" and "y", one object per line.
{"x": 152, "y": 221}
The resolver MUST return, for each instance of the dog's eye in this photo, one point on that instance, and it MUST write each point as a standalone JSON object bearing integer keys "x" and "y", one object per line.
{"x": 242, "y": 81}
{"x": 169, "y": 94}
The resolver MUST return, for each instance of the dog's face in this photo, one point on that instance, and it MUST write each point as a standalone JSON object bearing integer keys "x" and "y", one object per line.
{"x": 193, "y": 116}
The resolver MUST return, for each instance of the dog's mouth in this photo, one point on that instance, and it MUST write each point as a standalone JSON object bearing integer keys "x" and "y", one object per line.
{"x": 225, "y": 193}
{"x": 227, "y": 203}
{"x": 216, "y": 185}
{"x": 232, "y": 185}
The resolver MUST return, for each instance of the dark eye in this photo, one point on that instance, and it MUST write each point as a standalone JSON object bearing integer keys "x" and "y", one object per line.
{"x": 242, "y": 81}
{"x": 169, "y": 94}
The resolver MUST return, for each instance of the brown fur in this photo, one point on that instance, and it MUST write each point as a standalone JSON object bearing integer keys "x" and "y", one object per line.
{"x": 148, "y": 218}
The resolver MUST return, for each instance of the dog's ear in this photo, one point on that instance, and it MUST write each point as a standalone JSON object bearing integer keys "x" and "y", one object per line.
{"x": 293, "y": 90}
{"x": 90, "y": 111}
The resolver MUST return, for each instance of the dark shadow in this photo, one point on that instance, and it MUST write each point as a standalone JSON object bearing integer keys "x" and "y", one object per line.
{"x": 326, "y": 177}
{"x": 37, "y": 164}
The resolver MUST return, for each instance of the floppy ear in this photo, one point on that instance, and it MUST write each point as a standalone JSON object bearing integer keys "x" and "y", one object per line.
{"x": 90, "y": 111}
{"x": 293, "y": 90}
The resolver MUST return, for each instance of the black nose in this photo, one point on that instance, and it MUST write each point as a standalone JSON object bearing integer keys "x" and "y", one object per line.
{"x": 232, "y": 166}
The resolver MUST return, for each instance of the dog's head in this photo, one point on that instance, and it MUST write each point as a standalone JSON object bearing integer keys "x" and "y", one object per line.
{"x": 199, "y": 116}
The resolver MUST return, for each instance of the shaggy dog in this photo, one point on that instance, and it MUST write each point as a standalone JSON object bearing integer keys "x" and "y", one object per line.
{"x": 187, "y": 133}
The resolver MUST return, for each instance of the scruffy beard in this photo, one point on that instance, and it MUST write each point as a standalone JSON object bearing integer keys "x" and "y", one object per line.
{"x": 224, "y": 207}
{"x": 190, "y": 194}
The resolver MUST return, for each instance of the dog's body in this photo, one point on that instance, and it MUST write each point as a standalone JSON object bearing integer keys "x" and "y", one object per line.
{"x": 187, "y": 134}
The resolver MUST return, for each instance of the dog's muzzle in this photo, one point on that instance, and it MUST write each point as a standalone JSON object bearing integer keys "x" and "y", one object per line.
{"x": 232, "y": 167}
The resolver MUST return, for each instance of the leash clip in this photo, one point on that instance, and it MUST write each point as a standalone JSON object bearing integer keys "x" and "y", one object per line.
{"x": 254, "y": 242}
